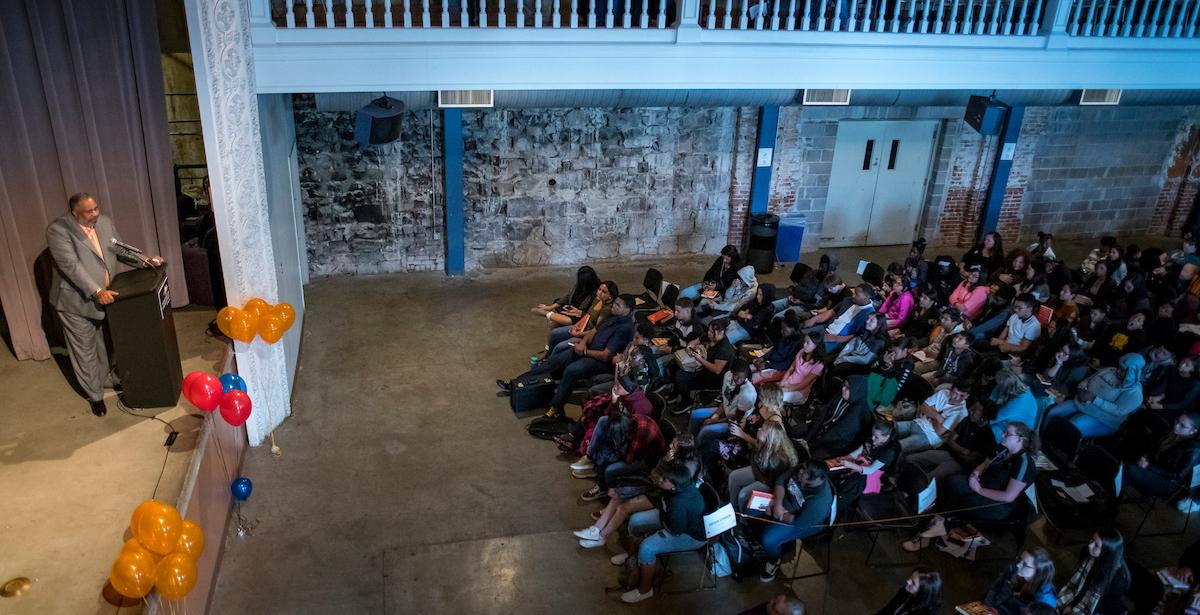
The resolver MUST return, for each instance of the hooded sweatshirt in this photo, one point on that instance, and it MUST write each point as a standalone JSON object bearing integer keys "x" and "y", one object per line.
{"x": 846, "y": 424}
{"x": 1116, "y": 398}
{"x": 740, "y": 292}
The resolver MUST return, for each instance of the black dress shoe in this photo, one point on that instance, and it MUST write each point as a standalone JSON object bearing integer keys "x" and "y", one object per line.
{"x": 504, "y": 384}
{"x": 98, "y": 408}
{"x": 503, "y": 393}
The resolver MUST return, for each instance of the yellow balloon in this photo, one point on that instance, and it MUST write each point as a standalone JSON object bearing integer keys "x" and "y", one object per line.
{"x": 158, "y": 530}
{"x": 176, "y": 576}
{"x": 191, "y": 540}
{"x": 133, "y": 574}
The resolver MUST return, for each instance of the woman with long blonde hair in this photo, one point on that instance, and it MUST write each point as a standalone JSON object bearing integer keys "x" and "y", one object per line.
{"x": 771, "y": 453}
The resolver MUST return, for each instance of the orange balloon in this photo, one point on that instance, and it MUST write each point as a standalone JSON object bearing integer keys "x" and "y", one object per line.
{"x": 158, "y": 530}
{"x": 191, "y": 540}
{"x": 143, "y": 508}
{"x": 288, "y": 313}
{"x": 270, "y": 327}
{"x": 243, "y": 326}
{"x": 257, "y": 306}
{"x": 224, "y": 317}
{"x": 176, "y": 576}
{"x": 133, "y": 574}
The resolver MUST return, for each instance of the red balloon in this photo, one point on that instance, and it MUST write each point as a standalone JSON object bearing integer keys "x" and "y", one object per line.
{"x": 190, "y": 378}
{"x": 205, "y": 392}
{"x": 235, "y": 407}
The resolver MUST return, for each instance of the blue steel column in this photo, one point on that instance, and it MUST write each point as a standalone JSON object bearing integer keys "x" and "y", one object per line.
{"x": 764, "y": 156}
{"x": 452, "y": 153}
{"x": 1004, "y": 161}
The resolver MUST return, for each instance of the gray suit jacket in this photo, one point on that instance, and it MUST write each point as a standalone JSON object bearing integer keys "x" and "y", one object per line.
{"x": 78, "y": 270}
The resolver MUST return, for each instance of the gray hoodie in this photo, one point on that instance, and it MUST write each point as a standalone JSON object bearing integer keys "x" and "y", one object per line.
{"x": 740, "y": 292}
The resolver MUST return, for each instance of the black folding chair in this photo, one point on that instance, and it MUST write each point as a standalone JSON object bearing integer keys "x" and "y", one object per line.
{"x": 873, "y": 274}
{"x": 824, "y": 537}
{"x": 896, "y": 510}
{"x": 712, "y": 509}
{"x": 1147, "y": 503}
{"x": 653, "y": 283}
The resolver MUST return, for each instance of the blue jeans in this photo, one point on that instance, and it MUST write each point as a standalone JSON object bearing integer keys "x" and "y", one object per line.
{"x": 775, "y": 537}
{"x": 577, "y": 368}
{"x": 692, "y": 292}
{"x": 703, "y": 432}
{"x": 597, "y": 433}
{"x": 660, "y": 541}
{"x": 1088, "y": 427}
{"x": 559, "y": 335}
{"x": 735, "y": 332}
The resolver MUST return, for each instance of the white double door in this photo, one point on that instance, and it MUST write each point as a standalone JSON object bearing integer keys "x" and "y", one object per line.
{"x": 877, "y": 183}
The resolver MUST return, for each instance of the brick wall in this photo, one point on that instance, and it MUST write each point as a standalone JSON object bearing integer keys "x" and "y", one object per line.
{"x": 369, "y": 210}
{"x": 745, "y": 140}
{"x": 564, "y": 186}
{"x": 1101, "y": 170}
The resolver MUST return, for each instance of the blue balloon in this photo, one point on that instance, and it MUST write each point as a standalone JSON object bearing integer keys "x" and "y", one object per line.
{"x": 230, "y": 382}
{"x": 241, "y": 488}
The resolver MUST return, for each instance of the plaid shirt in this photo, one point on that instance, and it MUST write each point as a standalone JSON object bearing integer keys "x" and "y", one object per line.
{"x": 647, "y": 446}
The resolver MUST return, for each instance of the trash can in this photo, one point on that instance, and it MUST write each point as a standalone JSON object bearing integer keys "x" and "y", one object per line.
{"x": 791, "y": 235}
{"x": 764, "y": 230}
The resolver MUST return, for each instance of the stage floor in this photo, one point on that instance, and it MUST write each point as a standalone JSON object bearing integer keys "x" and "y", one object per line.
{"x": 407, "y": 486}
{"x": 70, "y": 480}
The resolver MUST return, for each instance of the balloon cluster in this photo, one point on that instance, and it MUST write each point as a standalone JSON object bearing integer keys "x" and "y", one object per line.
{"x": 207, "y": 392}
{"x": 257, "y": 317}
{"x": 161, "y": 555}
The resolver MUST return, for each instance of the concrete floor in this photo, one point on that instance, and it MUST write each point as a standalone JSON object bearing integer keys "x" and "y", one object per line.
{"x": 70, "y": 480}
{"x": 407, "y": 486}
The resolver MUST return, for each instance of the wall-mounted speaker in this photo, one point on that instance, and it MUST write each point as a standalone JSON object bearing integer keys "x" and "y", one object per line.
{"x": 985, "y": 115}
{"x": 378, "y": 122}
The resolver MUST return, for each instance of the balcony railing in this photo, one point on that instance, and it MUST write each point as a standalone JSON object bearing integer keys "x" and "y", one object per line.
{"x": 1087, "y": 18}
{"x": 1143, "y": 18}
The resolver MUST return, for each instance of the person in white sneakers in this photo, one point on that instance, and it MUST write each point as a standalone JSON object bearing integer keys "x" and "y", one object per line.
{"x": 674, "y": 524}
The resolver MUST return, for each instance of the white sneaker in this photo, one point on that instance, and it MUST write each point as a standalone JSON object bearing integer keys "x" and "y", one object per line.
{"x": 588, "y": 543}
{"x": 619, "y": 559}
{"x": 588, "y": 473}
{"x": 583, "y": 464}
{"x": 634, "y": 595}
{"x": 589, "y": 533}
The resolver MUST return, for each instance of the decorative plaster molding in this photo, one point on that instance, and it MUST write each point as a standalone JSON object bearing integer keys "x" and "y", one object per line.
{"x": 225, "y": 87}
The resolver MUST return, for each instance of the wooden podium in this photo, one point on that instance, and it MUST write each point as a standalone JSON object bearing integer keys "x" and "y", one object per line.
{"x": 143, "y": 336}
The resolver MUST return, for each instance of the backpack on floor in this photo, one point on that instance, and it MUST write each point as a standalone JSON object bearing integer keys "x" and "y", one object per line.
{"x": 740, "y": 552}
{"x": 529, "y": 392}
{"x": 548, "y": 428}
{"x": 719, "y": 566}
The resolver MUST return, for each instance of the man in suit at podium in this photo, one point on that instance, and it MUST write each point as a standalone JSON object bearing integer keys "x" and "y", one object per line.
{"x": 85, "y": 261}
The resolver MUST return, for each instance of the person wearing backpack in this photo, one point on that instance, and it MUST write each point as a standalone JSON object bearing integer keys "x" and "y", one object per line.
{"x": 676, "y": 523}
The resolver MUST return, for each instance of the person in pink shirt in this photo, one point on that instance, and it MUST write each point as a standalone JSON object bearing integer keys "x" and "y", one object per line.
{"x": 971, "y": 295}
{"x": 806, "y": 369}
{"x": 899, "y": 302}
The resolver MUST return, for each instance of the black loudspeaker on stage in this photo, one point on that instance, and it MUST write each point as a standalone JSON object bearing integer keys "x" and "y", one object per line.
{"x": 143, "y": 334}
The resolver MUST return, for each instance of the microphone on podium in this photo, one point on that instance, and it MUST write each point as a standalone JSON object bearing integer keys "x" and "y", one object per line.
{"x": 132, "y": 250}
{"x": 122, "y": 244}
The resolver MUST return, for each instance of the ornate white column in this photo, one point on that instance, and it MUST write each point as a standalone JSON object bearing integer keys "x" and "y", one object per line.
{"x": 225, "y": 88}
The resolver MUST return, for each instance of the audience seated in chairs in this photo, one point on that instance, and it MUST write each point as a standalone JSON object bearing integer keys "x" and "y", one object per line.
{"x": 736, "y": 398}
{"x": 1101, "y": 579}
{"x": 862, "y": 470}
{"x": 1027, "y": 582}
{"x": 1104, "y": 399}
{"x": 921, "y": 595}
{"x": 853, "y": 353}
{"x": 936, "y": 418}
{"x": 991, "y": 491}
{"x": 800, "y": 508}
{"x": 844, "y": 423}
{"x": 569, "y": 308}
{"x": 719, "y": 276}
